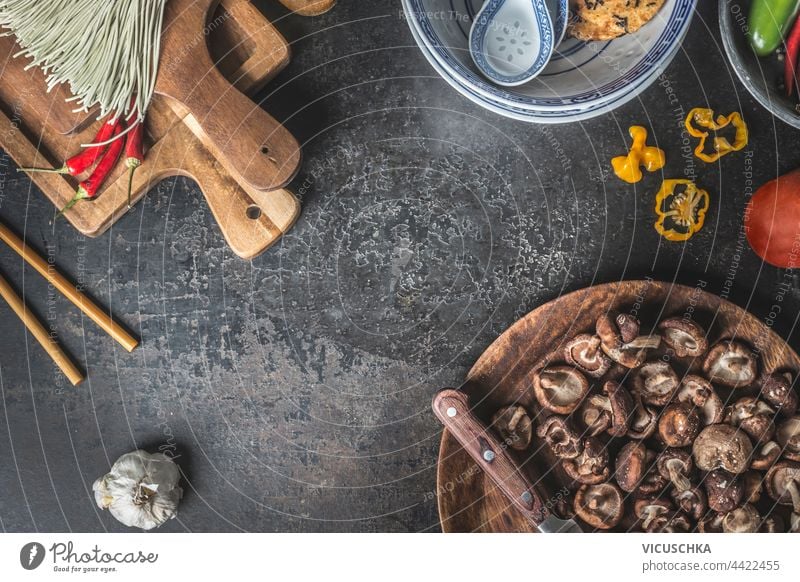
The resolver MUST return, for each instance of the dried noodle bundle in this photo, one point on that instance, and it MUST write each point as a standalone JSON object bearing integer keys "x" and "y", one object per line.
{"x": 106, "y": 51}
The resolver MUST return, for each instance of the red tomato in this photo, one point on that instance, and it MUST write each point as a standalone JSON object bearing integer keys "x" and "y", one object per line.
{"x": 772, "y": 221}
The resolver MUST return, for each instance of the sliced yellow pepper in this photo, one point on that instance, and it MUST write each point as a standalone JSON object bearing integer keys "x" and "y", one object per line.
{"x": 627, "y": 167}
{"x": 704, "y": 119}
{"x": 681, "y": 212}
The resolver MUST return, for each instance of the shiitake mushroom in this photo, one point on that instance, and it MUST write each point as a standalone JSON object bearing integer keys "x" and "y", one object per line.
{"x": 693, "y": 502}
{"x": 753, "y": 416}
{"x": 561, "y": 437}
{"x": 744, "y": 519}
{"x": 788, "y": 437}
{"x": 636, "y": 470}
{"x": 514, "y": 426}
{"x": 679, "y": 425}
{"x": 649, "y": 509}
{"x": 560, "y": 389}
{"x": 643, "y": 421}
{"x": 608, "y": 412}
{"x": 685, "y": 337}
{"x": 631, "y": 466}
{"x": 777, "y": 389}
{"x": 620, "y": 339}
{"x": 656, "y": 382}
{"x": 584, "y": 352}
{"x": 753, "y": 482}
{"x": 596, "y": 414}
{"x": 676, "y": 465}
{"x": 653, "y": 482}
{"x": 591, "y": 466}
{"x": 657, "y": 515}
{"x": 601, "y": 506}
{"x": 698, "y": 391}
{"x": 765, "y": 456}
{"x": 731, "y": 363}
{"x": 721, "y": 446}
{"x": 723, "y": 490}
{"x": 783, "y": 484}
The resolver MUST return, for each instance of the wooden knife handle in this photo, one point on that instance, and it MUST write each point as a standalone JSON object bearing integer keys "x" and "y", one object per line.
{"x": 452, "y": 409}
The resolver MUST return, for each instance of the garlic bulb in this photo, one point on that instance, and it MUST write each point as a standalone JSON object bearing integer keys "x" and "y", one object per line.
{"x": 141, "y": 490}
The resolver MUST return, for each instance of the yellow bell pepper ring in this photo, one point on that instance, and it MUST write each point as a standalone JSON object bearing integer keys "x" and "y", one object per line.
{"x": 700, "y": 119}
{"x": 681, "y": 209}
{"x": 627, "y": 167}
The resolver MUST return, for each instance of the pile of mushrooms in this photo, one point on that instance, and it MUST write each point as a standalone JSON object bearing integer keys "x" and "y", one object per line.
{"x": 661, "y": 432}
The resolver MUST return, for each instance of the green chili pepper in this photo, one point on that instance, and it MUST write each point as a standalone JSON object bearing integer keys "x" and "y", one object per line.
{"x": 769, "y": 22}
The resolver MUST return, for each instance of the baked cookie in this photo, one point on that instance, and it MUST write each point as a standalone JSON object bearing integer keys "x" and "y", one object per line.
{"x": 607, "y": 19}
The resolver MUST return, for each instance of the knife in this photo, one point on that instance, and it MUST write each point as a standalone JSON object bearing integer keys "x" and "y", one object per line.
{"x": 452, "y": 409}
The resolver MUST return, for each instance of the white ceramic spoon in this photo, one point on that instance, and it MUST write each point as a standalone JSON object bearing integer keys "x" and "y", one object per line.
{"x": 511, "y": 41}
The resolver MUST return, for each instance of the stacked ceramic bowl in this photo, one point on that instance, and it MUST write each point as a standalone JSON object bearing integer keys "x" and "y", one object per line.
{"x": 582, "y": 79}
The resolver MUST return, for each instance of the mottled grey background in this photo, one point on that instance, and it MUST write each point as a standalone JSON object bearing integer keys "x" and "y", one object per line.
{"x": 296, "y": 387}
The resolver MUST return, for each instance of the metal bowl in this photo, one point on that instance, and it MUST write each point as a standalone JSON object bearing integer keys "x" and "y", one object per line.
{"x": 762, "y": 77}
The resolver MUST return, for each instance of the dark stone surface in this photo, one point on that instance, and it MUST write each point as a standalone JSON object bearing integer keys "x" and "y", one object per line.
{"x": 296, "y": 387}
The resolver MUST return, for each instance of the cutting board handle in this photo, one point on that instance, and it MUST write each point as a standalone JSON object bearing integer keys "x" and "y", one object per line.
{"x": 452, "y": 408}
{"x": 309, "y": 7}
{"x": 255, "y": 145}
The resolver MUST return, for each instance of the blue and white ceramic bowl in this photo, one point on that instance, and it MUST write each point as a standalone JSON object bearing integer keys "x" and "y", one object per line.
{"x": 508, "y": 111}
{"x": 547, "y": 117}
{"x": 582, "y": 80}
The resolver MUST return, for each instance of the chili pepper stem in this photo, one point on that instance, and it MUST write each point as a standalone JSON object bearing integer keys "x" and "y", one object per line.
{"x": 84, "y": 159}
{"x": 81, "y": 194}
{"x": 131, "y": 172}
{"x": 61, "y": 170}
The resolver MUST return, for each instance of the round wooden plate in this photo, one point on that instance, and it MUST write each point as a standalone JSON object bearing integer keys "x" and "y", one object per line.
{"x": 468, "y": 500}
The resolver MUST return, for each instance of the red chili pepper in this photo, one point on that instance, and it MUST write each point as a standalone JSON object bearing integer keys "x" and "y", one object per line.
{"x": 134, "y": 154}
{"x": 90, "y": 187}
{"x": 87, "y": 158}
{"x": 792, "y": 54}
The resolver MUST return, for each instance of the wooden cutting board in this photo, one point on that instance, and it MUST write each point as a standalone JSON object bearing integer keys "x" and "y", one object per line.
{"x": 468, "y": 500}
{"x": 39, "y": 129}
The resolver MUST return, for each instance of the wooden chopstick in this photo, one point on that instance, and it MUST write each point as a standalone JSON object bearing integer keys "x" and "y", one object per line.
{"x": 40, "y": 333}
{"x": 67, "y": 289}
